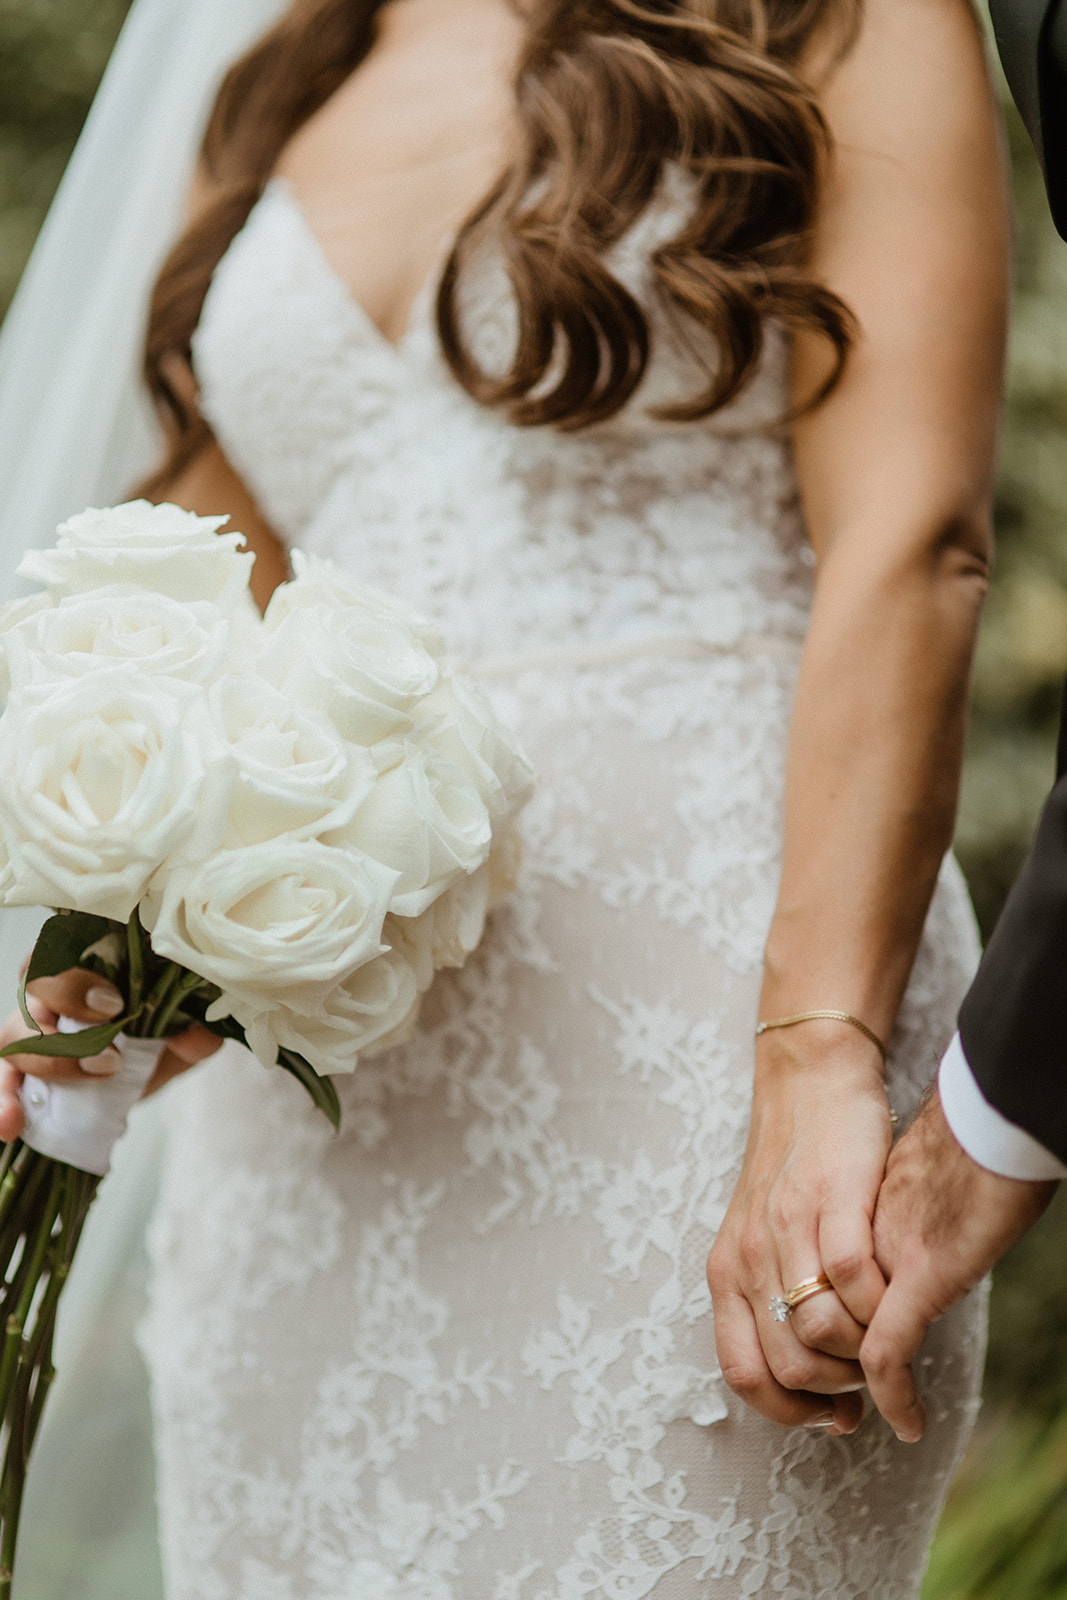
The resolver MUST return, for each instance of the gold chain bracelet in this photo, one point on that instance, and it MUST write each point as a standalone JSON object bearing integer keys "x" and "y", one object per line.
{"x": 826, "y": 1016}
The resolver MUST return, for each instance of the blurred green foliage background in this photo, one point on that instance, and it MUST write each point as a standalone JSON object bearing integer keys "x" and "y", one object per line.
{"x": 52, "y": 53}
{"x": 1004, "y": 1535}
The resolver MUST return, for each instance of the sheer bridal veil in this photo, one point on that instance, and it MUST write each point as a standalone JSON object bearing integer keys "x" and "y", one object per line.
{"x": 75, "y": 430}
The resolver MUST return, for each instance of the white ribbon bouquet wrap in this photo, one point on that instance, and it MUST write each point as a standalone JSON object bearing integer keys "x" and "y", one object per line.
{"x": 277, "y": 827}
{"x": 80, "y": 1124}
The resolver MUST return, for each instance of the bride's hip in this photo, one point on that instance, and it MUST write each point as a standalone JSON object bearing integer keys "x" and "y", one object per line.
{"x": 605, "y": 1014}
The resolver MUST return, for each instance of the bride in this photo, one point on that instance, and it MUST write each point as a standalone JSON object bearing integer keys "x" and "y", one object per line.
{"x": 653, "y": 349}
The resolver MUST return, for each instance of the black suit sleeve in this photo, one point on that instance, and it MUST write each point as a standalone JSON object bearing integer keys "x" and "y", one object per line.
{"x": 1013, "y": 1023}
{"x": 1031, "y": 37}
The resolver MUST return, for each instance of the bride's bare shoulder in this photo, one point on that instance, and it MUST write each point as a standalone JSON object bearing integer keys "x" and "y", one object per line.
{"x": 913, "y": 234}
{"x": 897, "y": 41}
{"x": 914, "y": 119}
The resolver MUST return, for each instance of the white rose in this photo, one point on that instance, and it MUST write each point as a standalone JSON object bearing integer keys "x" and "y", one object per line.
{"x": 17, "y": 611}
{"x": 425, "y": 819}
{"x": 295, "y": 774}
{"x": 278, "y": 923}
{"x": 412, "y": 938}
{"x": 447, "y": 932}
{"x": 103, "y": 783}
{"x": 366, "y": 672}
{"x": 320, "y": 583}
{"x": 246, "y": 635}
{"x": 372, "y": 1009}
{"x": 459, "y": 920}
{"x": 505, "y": 859}
{"x": 11, "y": 615}
{"x": 458, "y": 720}
{"x": 130, "y": 628}
{"x": 160, "y": 548}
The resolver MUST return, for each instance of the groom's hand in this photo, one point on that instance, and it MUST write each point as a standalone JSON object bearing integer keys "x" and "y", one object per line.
{"x": 940, "y": 1224}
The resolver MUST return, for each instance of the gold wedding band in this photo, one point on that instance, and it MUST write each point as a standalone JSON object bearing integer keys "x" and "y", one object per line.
{"x": 805, "y": 1290}
{"x": 783, "y": 1306}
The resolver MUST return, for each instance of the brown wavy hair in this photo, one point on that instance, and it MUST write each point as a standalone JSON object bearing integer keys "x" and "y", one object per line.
{"x": 607, "y": 92}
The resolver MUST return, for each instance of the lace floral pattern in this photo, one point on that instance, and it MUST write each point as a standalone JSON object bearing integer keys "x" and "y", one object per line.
{"x": 464, "y": 1351}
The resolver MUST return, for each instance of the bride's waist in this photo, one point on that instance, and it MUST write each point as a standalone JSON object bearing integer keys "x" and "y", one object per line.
{"x": 579, "y": 654}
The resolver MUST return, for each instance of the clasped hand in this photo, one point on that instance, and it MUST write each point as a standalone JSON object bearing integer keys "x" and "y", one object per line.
{"x": 803, "y": 1209}
{"x": 87, "y": 999}
{"x": 901, "y": 1237}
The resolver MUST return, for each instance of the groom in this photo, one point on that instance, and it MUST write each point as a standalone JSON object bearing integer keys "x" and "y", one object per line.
{"x": 981, "y": 1161}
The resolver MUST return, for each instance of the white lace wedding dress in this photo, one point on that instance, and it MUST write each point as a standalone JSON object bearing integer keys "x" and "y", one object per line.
{"x": 464, "y": 1351}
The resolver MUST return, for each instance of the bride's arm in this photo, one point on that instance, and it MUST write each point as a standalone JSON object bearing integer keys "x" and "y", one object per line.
{"x": 895, "y": 472}
{"x": 208, "y": 484}
{"x": 210, "y": 487}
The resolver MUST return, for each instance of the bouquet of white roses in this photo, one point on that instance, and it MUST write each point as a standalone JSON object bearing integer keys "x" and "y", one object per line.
{"x": 278, "y": 827}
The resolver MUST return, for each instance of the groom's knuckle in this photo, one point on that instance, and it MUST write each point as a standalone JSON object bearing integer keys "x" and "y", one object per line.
{"x": 877, "y": 1358}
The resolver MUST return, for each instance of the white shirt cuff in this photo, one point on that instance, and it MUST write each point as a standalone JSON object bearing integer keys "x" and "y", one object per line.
{"x": 987, "y": 1136}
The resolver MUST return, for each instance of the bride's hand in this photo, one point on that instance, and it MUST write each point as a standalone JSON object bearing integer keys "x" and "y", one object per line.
{"x": 802, "y": 1209}
{"x": 88, "y": 999}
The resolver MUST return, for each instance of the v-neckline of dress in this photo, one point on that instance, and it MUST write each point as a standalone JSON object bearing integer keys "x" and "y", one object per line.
{"x": 279, "y": 187}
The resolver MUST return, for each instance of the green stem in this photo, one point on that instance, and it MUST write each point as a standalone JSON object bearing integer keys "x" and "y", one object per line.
{"x": 10, "y": 1527}
{"x": 135, "y": 961}
{"x": 7, "y": 1157}
{"x": 26, "y": 1368}
{"x": 13, "y": 1186}
{"x": 20, "y": 1222}
{"x": 157, "y": 997}
{"x": 81, "y": 1191}
{"x": 16, "y": 1458}
{"x": 45, "y": 1377}
{"x": 9, "y": 1358}
{"x": 9, "y": 1194}
{"x": 28, "y": 1278}
{"x": 164, "y": 1015}
{"x": 37, "y": 1353}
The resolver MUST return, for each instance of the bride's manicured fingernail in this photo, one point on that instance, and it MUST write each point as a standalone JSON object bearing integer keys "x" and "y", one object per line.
{"x": 824, "y": 1421}
{"x": 103, "y": 1065}
{"x": 104, "y": 1000}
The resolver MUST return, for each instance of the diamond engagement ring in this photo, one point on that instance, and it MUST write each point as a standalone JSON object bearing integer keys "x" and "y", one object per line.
{"x": 783, "y": 1306}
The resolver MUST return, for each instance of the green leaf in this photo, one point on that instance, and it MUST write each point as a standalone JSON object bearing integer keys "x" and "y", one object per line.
{"x": 71, "y": 1046}
{"x": 320, "y": 1089}
{"x": 60, "y": 945}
